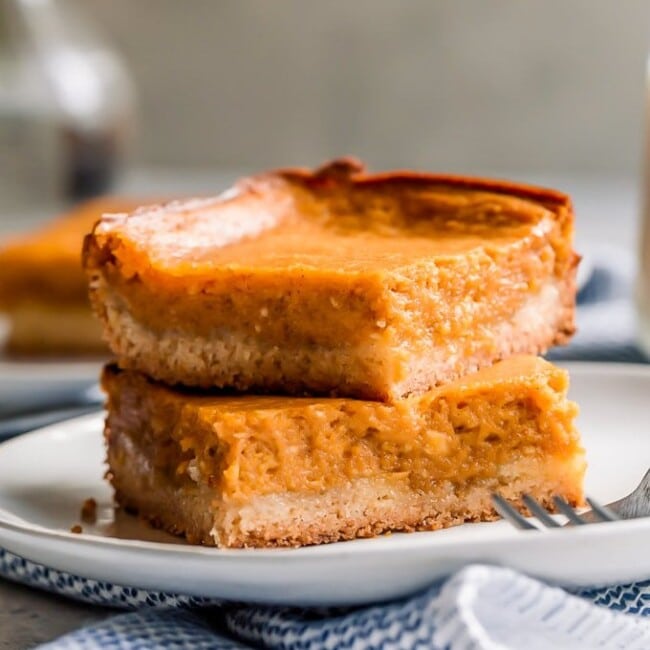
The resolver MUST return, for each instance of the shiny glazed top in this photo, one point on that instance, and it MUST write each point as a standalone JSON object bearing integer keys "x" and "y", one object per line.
{"x": 333, "y": 220}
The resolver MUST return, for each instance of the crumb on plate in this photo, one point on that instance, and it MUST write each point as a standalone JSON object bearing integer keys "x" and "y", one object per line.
{"x": 89, "y": 511}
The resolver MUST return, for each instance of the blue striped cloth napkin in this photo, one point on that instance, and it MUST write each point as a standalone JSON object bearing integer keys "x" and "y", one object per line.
{"x": 480, "y": 607}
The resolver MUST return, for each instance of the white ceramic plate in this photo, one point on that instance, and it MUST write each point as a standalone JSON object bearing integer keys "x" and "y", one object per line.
{"x": 45, "y": 476}
{"x": 44, "y": 382}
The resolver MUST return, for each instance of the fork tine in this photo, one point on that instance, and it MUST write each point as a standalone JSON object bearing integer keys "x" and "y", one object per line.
{"x": 567, "y": 510}
{"x": 512, "y": 515}
{"x": 605, "y": 513}
{"x": 539, "y": 512}
{"x": 645, "y": 481}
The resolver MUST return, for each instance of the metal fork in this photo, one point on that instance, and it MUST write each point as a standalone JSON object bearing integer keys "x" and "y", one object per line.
{"x": 633, "y": 506}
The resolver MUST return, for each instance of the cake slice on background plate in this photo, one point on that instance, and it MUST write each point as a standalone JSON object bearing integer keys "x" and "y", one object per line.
{"x": 43, "y": 289}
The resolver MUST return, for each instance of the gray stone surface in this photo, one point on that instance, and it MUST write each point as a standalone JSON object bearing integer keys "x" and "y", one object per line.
{"x": 29, "y": 617}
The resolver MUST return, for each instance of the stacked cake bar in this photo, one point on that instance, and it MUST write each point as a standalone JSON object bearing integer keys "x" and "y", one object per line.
{"x": 315, "y": 356}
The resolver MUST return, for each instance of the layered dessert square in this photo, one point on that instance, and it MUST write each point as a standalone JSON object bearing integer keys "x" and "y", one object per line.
{"x": 43, "y": 288}
{"x": 335, "y": 282}
{"x": 257, "y": 471}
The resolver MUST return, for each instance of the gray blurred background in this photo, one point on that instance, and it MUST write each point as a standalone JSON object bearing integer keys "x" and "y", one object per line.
{"x": 468, "y": 85}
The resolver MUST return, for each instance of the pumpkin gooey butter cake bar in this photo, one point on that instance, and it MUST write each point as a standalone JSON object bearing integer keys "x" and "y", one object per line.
{"x": 380, "y": 332}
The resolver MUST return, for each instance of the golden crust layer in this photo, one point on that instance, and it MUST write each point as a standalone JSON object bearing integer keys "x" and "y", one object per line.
{"x": 378, "y": 285}
{"x": 247, "y": 471}
{"x": 362, "y": 508}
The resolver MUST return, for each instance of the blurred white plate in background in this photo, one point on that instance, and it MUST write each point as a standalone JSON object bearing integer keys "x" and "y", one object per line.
{"x": 41, "y": 383}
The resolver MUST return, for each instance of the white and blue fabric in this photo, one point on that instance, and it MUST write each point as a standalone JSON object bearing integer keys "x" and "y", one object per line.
{"x": 480, "y": 607}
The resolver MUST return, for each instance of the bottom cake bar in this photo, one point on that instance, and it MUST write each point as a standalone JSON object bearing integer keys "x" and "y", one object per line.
{"x": 248, "y": 471}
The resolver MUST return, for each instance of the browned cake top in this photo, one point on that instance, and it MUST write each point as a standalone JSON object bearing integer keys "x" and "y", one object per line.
{"x": 334, "y": 220}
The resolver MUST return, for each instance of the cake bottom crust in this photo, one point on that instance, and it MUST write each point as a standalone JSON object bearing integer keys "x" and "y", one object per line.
{"x": 363, "y": 507}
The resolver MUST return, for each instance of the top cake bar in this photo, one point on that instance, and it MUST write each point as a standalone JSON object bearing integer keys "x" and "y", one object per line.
{"x": 335, "y": 282}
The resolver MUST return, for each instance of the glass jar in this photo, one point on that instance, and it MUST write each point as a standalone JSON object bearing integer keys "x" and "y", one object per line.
{"x": 66, "y": 106}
